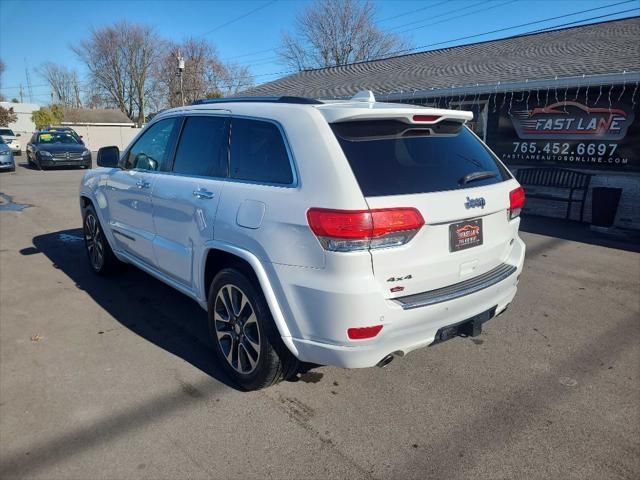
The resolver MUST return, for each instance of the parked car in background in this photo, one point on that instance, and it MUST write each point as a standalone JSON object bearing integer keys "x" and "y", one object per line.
{"x": 11, "y": 139}
{"x": 6, "y": 157}
{"x": 69, "y": 130}
{"x": 57, "y": 149}
{"x": 346, "y": 233}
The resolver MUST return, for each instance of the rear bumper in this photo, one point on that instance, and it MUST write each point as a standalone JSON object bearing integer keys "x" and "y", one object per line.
{"x": 325, "y": 316}
{"x": 419, "y": 328}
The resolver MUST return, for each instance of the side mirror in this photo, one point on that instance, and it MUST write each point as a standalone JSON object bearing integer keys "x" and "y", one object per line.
{"x": 145, "y": 162}
{"x": 18, "y": 134}
{"x": 108, "y": 157}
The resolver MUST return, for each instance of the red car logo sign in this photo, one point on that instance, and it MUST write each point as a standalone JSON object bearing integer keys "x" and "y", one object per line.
{"x": 467, "y": 231}
{"x": 569, "y": 120}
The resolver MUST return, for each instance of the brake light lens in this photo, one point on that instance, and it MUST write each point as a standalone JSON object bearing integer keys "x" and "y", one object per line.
{"x": 362, "y": 333}
{"x": 426, "y": 118}
{"x": 351, "y": 230}
{"x": 516, "y": 202}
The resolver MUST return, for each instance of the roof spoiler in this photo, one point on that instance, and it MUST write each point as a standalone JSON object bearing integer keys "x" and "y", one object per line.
{"x": 413, "y": 116}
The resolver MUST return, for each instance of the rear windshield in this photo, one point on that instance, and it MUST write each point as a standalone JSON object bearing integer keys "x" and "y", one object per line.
{"x": 390, "y": 157}
{"x": 7, "y": 132}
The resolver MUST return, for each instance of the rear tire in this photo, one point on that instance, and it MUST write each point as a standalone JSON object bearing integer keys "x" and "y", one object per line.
{"x": 101, "y": 258}
{"x": 245, "y": 337}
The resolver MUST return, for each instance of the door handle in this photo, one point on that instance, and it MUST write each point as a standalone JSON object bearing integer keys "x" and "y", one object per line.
{"x": 142, "y": 184}
{"x": 203, "y": 194}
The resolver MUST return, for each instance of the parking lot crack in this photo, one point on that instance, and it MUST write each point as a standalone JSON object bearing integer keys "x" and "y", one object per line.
{"x": 301, "y": 415}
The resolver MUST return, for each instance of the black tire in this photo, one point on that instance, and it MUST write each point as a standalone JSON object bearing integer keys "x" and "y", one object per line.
{"x": 101, "y": 258}
{"x": 274, "y": 361}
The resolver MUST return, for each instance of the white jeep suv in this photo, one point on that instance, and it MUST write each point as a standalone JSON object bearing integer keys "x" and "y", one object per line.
{"x": 337, "y": 233}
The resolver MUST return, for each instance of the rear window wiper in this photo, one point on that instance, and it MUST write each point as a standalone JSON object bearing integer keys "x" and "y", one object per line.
{"x": 473, "y": 176}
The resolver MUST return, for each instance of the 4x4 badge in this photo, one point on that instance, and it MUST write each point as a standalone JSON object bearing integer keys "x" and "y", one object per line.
{"x": 474, "y": 202}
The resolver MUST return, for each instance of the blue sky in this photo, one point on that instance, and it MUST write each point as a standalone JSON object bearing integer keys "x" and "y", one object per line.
{"x": 33, "y": 32}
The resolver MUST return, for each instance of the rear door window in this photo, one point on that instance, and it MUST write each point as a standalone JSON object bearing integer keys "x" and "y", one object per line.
{"x": 258, "y": 153}
{"x": 390, "y": 157}
{"x": 203, "y": 147}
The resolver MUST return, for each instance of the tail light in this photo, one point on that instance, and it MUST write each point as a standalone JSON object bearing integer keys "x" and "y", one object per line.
{"x": 350, "y": 230}
{"x": 362, "y": 333}
{"x": 516, "y": 202}
{"x": 426, "y": 118}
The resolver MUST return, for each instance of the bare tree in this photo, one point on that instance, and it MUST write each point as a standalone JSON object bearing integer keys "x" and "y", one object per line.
{"x": 204, "y": 76}
{"x": 336, "y": 32}
{"x": 119, "y": 59}
{"x": 234, "y": 78}
{"x": 63, "y": 82}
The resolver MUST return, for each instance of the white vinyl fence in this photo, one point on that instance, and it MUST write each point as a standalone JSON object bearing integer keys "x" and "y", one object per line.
{"x": 98, "y": 136}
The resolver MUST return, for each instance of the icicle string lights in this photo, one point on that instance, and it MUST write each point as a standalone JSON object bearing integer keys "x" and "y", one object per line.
{"x": 510, "y": 104}
{"x": 609, "y": 97}
{"x": 586, "y": 96}
{"x": 624, "y": 86}
{"x": 599, "y": 95}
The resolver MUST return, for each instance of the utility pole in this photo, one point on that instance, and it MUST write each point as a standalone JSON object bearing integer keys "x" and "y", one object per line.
{"x": 21, "y": 94}
{"x": 179, "y": 74}
{"x": 76, "y": 90}
{"x": 29, "y": 89}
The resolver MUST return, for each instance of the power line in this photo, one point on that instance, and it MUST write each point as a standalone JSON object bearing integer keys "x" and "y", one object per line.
{"x": 386, "y": 19}
{"x": 455, "y": 10}
{"x": 233, "y": 20}
{"x": 547, "y": 29}
{"x": 483, "y": 9}
{"x": 567, "y": 15}
{"x": 249, "y": 54}
{"x": 512, "y": 27}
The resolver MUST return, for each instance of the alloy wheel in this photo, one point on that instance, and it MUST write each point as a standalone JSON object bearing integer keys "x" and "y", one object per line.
{"x": 93, "y": 240}
{"x": 237, "y": 329}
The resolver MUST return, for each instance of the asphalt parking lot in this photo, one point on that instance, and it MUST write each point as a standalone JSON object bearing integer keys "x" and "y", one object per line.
{"x": 115, "y": 378}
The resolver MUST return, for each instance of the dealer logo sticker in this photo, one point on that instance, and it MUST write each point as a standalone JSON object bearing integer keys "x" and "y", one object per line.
{"x": 571, "y": 120}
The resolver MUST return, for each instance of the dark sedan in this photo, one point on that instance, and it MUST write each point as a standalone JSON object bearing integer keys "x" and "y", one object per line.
{"x": 57, "y": 149}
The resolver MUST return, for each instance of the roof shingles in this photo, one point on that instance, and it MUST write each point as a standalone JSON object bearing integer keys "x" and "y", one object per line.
{"x": 609, "y": 47}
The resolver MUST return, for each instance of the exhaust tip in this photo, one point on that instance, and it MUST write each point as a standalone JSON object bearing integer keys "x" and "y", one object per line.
{"x": 385, "y": 361}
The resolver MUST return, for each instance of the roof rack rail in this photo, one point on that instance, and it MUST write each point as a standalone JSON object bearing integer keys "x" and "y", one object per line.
{"x": 283, "y": 99}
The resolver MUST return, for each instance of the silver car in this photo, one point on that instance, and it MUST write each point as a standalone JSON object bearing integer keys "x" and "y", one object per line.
{"x": 6, "y": 157}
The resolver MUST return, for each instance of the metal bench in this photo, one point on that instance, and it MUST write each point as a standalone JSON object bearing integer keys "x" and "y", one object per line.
{"x": 561, "y": 178}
